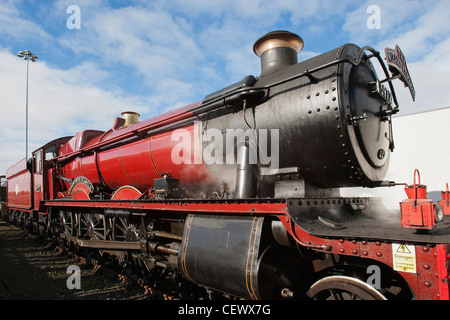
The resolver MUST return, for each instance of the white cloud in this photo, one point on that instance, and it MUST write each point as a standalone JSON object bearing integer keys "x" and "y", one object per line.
{"x": 396, "y": 17}
{"x": 153, "y": 43}
{"x": 146, "y": 44}
{"x": 423, "y": 32}
{"x": 431, "y": 84}
{"x": 427, "y": 49}
{"x": 13, "y": 24}
{"x": 61, "y": 102}
{"x": 421, "y": 29}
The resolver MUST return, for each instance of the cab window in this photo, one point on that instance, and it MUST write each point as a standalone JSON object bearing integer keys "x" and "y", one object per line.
{"x": 38, "y": 156}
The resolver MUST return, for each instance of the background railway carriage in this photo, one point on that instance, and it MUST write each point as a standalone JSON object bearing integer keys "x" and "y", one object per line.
{"x": 244, "y": 228}
{"x": 3, "y": 186}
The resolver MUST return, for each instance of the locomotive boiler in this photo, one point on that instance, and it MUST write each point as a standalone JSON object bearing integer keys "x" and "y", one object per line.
{"x": 321, "y": 122}
{"x": 239, "y": 193}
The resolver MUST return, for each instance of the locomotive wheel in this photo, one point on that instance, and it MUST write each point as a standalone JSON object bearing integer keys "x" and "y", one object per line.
{"x": 136, "y": 266}
{"x": 62, "y": 223}
{"x": 123, "y": 229}
{"x": 93, "y": 226}
{"x": 65, "y": 222}
{"x": 343, "y": 288}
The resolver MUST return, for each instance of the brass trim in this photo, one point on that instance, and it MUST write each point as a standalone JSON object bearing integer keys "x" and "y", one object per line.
{"x": 130, "y": 118}
{"x": 278, "y": 39}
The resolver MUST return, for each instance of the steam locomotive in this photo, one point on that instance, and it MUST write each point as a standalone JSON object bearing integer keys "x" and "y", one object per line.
{"x": 238, "y": 195}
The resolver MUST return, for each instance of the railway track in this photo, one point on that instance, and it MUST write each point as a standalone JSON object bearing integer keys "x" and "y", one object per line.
{"x": 4, "y": 294}
{"x": 33, "y": 268}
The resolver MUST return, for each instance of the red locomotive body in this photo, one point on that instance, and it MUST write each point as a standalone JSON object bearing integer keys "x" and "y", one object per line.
{"x": 19, "y": 186}
{"x": 239, "y": 193}
{"x": 31, "y": 182}
{"x": 445, "y": 202}
{"x": 126, "y": 159}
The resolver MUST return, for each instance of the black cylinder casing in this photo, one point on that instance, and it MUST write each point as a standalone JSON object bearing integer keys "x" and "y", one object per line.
{"x": 222, "y": 252}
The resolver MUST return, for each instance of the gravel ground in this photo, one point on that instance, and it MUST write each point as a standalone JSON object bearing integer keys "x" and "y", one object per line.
{"x": 31, "y": 270}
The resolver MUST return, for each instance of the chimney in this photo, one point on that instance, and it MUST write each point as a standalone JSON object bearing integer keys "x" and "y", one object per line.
{"x": 277, "y": 50}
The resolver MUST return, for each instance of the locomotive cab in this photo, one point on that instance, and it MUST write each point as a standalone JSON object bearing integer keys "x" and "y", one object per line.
{"x": 45, "y": 184}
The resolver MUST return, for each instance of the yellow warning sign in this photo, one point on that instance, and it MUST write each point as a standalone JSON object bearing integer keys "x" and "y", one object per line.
{"x": 403, "y": 249}
{"x": 404, "y": 257}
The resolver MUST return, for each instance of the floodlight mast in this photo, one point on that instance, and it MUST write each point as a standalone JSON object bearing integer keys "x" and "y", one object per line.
{"x": 26, "y": 55}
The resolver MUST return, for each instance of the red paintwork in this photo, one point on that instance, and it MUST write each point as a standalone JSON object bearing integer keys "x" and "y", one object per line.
{"x": 19, "y": 186}
{"x": 126, "y": 193}
{"x": 39, "y": 183}
{"x": 112, "y": 136}
{"x": 418, "y": 214}
{"x": 134, "y": 163}
{"x": 417, "y": 211}
{"x": 231, "y": 208}
{"x": 443, "y": 267}
{"x": 430, "y": 282}
{"x": 416, "y": 190}
{"x": 80, "y": 192}
{"x": 445, "y": 202}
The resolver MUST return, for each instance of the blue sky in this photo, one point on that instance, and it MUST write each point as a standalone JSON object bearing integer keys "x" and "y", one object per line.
{"x": 153, "y": 56}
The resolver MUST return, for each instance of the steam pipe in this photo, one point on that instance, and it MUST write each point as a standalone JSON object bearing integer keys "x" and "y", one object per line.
{"x": 245, "y": 186}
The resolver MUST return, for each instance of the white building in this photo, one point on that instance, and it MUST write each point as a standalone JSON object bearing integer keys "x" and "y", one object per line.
{"x": 422, "y": 141}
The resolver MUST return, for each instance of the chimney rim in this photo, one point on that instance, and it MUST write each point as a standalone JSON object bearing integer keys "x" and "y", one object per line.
{"x": 276, "y": 39}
